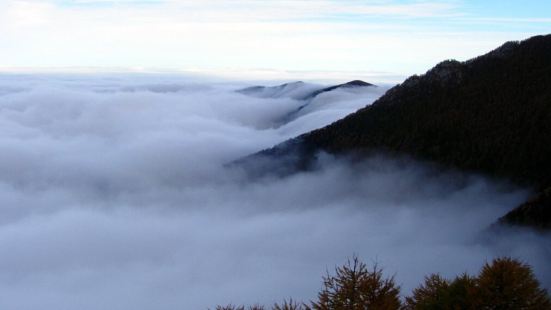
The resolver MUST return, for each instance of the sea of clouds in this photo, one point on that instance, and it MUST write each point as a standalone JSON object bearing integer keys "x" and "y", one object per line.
{"x": 114, "y": 195}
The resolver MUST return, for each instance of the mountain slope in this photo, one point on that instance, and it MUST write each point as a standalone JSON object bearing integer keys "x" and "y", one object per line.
{"x": 491, "y": 114}
{"x": 535, "y": 213}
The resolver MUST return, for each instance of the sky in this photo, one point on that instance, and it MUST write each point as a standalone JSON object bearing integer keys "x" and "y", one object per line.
{"x": 270, "y": 38}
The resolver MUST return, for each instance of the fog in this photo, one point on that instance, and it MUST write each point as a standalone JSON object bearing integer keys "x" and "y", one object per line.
{"x": 114, "y": 195}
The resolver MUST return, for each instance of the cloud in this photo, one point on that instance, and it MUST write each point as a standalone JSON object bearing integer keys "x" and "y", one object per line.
{"x": 510, "y": 20}
{"x": 269, "y": 11}
{"x": 113, "y": 195}
{"x": 244, "y": 35}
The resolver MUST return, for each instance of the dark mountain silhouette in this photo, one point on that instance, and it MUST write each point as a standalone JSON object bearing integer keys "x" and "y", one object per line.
{"x": 535, "y": 212}
{"x": 491, "y": 114}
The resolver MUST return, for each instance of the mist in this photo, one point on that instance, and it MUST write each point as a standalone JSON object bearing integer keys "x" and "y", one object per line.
{"x": 114, "y": 193}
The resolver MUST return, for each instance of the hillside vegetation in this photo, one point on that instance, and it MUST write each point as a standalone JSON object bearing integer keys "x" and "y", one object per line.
{"x": 491, "y": 114}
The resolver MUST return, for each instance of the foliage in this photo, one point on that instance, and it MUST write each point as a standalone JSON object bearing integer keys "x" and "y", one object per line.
{"x": 510, "y": 284}
{"x": 429, "y": 295}
{"x": 440, "y": 293}
{"x": 503, "y": 284}
{"x": 354, "y": 287}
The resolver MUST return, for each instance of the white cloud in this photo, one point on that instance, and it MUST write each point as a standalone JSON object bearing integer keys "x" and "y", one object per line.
{"x": 113, "y": 195}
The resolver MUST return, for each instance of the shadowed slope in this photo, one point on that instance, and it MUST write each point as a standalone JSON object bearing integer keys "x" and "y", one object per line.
{"x": 491, "y": 114}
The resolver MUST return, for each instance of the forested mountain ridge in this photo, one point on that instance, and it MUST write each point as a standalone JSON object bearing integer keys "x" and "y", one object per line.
{"x": 490, "y": 114}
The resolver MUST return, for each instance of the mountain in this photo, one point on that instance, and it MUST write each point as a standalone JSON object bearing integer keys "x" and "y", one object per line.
{"x": 307, "y": 94}
{"x": 348, "y": 85}
{"x": 490, "y": 114}
{"x": 298, "y": 90}
{"x": 295, "y": 90}
{"x": 534, "y": 213}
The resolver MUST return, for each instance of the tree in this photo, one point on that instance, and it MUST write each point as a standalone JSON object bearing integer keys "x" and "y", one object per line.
{"x": 462, "y": 293}
{"x": 439, "y": 293}
{"x": 430, "y": 294}
{"x": 509, "y": 284}
{"x": 501, "y": 285}
{"x": 354, "y": 287}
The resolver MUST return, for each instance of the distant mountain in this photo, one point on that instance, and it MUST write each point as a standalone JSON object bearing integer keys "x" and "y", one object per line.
{"x": 351, "y": 84}
{"x": 298, "y": 90}
{"x": 491, "y": 114}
